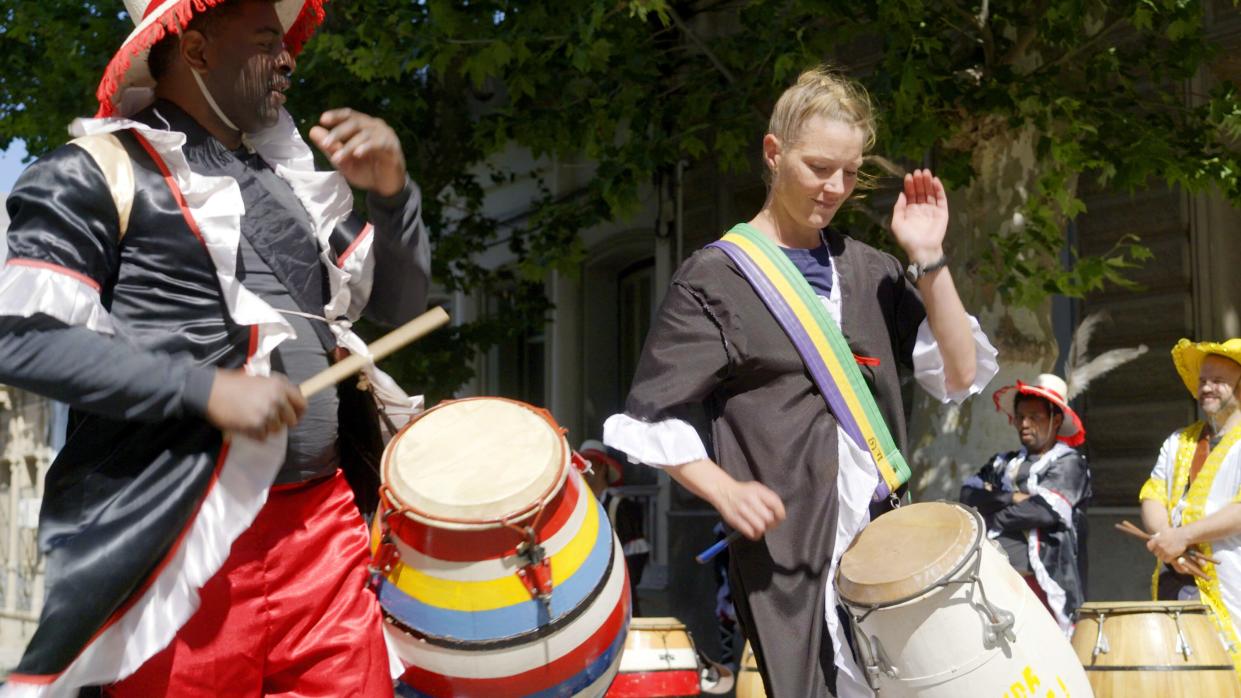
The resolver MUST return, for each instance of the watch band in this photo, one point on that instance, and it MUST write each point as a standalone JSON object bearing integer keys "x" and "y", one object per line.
{"x": 914, "y": 271}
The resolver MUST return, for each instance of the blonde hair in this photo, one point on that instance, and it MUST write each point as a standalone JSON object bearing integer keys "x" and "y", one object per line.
{"x": 822, "y": 91}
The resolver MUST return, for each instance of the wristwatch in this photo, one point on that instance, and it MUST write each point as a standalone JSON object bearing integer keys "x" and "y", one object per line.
{"x": 915, "y": 271}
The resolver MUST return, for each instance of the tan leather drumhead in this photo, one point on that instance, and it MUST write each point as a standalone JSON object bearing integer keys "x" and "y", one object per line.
{"x": 904, "y": 552}
{"x": 475, "y": 460}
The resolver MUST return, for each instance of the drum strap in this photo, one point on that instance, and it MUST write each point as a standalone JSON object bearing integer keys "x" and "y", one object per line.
{"x": 822, "y": 347}
{"x": 118, "y": 171}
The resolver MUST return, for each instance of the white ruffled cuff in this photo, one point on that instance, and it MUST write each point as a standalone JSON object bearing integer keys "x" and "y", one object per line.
{"x": 929, "y": 364}
{"x": 658, "y": 444}
{"x": 28, "y": 287}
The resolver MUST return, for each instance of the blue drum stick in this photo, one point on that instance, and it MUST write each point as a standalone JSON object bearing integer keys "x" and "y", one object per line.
{"x": 705, "y": 556}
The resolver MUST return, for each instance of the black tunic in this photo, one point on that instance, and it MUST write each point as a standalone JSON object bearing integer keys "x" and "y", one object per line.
{"x": 715, "y": 346}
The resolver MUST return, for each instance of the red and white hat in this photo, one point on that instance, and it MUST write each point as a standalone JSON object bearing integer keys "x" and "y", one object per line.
{"x": 1051, "y": 388}
{"x": 159, "y": 18}
{"x": 594, "y": 451}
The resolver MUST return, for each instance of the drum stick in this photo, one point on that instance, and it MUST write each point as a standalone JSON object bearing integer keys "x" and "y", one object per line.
{"x": 1137, "y": 532}
{"x": 414, "y": 329}
{"x": 707, "y": 555}
{"x": 1192, "y": 556}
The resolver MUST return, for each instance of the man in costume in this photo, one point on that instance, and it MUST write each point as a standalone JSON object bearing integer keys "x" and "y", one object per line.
{"x": 722, "y": 343}
{"x": 173, "y": 273}
{"x": 1192, "y": 496}
{"x": 1034, "y": 498}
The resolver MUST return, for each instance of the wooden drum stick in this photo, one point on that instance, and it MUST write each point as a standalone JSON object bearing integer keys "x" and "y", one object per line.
{"x": 414, "y": 329}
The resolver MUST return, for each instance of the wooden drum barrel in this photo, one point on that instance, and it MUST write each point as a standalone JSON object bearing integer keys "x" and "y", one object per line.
{"x": 496, "y": 568}
{"x": 749, "y": 681}
{"x": 938, "y": 612}
{"x": 1170, "y": 649}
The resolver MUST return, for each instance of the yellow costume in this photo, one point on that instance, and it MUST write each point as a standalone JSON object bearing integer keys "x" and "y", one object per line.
{"x": 1217, "y": 485}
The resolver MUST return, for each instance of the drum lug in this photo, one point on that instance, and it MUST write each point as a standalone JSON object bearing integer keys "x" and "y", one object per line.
{"x": 1101, "y": 645}
{"x": 536, "y": 574}
{"x": 874, "y": 659}
{"x": 999, "y": 625}
{"x": 1182, "y": 645}
{"x": 386, "y": 554}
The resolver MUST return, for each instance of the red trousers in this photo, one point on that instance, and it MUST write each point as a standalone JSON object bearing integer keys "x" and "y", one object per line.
{"x": 290, "y": 614}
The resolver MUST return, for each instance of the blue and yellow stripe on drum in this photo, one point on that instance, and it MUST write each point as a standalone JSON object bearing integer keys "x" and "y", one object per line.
{"x": 473, "y": 611}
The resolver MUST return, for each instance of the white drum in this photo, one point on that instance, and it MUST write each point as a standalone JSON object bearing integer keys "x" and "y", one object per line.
{"x": 939, "y": 613}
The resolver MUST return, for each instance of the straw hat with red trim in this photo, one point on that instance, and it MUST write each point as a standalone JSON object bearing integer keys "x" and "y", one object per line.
{"x": 159, "y": 18}
{"x": 597, "y": 453}
{"x": 1188, "y": 356}
{"x": 1051, "y": 388}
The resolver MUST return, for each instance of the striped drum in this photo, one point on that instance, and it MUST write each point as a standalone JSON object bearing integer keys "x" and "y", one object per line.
{"x": 496, "y": 567}
{"x": 659, "y": 661}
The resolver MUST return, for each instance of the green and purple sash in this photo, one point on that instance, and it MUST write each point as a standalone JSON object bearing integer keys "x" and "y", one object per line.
{"x": 822, "y": 347}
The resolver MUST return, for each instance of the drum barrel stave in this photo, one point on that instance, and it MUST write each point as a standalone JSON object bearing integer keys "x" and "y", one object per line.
{"x": 1171, "y": 649}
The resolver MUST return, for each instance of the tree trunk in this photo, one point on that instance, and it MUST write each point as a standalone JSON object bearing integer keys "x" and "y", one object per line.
{"x": 949, "y": 442}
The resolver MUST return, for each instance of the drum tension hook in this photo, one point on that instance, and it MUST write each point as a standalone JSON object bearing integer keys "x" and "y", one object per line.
{"x": 386, "y": 555}
{"x": 536, "y": 574}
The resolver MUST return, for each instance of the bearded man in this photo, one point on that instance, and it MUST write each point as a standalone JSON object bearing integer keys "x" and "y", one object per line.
{"x": 1193, "y": 496}
{"x": 173, "y": 273}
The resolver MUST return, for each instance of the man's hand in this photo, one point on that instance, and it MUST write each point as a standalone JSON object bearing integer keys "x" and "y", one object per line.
{"x": 364, "y": 149}
{"x": 750, "y": 508}
{"x": 1168, "y": 545}
{"x": 256, "y": 406}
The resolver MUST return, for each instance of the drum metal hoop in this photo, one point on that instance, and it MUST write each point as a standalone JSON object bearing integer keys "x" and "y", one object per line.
{"x": 998, "y": 626}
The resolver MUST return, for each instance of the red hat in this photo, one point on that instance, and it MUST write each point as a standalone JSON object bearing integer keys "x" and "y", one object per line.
{"x": 159, "y": 18}
{"x": 1051, "y": 388}
{"x": 597, "y": 453}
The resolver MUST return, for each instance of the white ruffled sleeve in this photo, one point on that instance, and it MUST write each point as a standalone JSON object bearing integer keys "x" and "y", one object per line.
{"x": 659, "y": 444}
{"x": 929, "y": 364}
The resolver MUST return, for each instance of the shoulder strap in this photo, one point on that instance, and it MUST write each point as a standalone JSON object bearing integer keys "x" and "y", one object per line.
{"x": 118, "y": 169}
{"x": 822, "y": 347}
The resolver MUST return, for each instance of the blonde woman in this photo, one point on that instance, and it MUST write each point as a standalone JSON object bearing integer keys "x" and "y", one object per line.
{"x": 781, "y": 471}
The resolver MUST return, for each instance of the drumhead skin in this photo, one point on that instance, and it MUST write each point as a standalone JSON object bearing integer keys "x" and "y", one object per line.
{"x": 475, "y": 461}
{"x": 906, "y": 552}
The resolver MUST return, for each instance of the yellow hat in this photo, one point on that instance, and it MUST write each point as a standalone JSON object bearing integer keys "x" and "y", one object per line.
{"x": 1187, "y": 356}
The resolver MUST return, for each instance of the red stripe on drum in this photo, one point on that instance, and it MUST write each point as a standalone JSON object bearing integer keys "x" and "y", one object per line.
{"x": 653, "y": 684}
{"x": 488, "y": 661}
{"x": 535, "y": 680}
{"x": 455, "y": 545}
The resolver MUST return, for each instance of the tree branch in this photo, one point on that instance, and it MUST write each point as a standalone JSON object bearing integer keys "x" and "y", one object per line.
{"x": 1081, "y": 48}
{"x": 1026, "y": 36}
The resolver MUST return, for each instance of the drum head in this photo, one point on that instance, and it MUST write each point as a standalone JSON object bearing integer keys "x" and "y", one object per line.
{"x": 476, "y": 461}
{"x": 905, "y": 552}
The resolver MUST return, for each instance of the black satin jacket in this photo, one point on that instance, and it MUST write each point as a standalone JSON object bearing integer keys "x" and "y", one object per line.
{"x": 139, "y": 457}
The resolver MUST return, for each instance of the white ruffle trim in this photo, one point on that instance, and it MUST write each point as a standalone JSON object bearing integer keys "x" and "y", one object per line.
{"x": 659, "y": 444}
{"x": 856, "y": 482}
{"x": 326, "y": 196}
{"x": 929, "y": 364}
{"x": 153, "y": 621}
{"x": 30, "y": 290}
{"x": 216, "y": 206}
